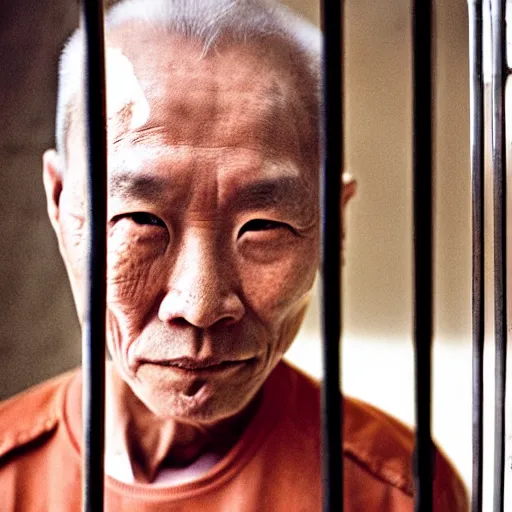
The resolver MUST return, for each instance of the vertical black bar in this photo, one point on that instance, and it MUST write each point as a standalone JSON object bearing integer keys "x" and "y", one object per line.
{"x": 331, "y": 189}
{"x": 476, "y": 92}
{"x": 423, "y": 274}
{"x": 93, "y": 346}
{"x": 500, "y": 242}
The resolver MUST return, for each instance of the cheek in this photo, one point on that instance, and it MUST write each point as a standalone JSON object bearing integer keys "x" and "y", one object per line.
{"x": 277, "y": 291}
{"x": 291, "y": 325}
{"x": 134, "y": 277}
{"x": 73, "y": 249}
{"x": 73, "y": 234}
{"x": 73, "y": 240}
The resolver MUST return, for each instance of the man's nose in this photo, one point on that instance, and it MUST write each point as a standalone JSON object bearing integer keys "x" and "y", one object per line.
{"x": 202, "y": 289}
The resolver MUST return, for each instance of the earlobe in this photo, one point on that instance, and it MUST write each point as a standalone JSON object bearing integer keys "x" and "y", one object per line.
{"x": 349, "y": 188}
{"x": 52, "y": 179}
{"x": 349, "y": 191}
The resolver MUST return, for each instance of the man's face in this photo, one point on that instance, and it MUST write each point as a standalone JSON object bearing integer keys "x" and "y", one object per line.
{"x": 212, "y": 219}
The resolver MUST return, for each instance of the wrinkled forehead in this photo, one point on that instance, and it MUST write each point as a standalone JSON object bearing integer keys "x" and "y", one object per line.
{"x": 165, "y": 89}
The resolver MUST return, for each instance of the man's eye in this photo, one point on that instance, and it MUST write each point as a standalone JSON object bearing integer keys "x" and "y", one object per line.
{"x": 144, "y": 219}
{"x": 260, "y": 225}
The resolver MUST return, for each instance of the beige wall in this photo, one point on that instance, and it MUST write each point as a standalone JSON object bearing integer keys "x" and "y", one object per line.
{"x": 378, "y": 355}
{"x": 378, "y": 129}
{"x": 38, "y": 331}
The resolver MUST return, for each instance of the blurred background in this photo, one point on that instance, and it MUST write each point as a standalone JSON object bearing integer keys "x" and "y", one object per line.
{"x": 39, "y": 336}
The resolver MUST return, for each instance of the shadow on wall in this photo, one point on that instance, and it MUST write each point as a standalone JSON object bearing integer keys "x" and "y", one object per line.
{"x": 38, "y": 330}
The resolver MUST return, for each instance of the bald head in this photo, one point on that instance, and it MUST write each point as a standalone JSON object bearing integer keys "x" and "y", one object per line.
{"x": 178, "y": 95}
{"x": 212, "y": 28}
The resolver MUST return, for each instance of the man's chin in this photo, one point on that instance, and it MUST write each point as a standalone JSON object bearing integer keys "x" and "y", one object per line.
{"x": 199, "y": 395}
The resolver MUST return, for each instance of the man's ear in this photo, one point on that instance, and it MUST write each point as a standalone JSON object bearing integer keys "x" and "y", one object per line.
{"x": 52, "y": 179}
{"x": 349, "y": 191}
{"x": 349, "y": 188}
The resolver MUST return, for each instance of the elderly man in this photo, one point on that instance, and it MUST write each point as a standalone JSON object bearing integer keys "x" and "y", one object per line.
{"x": 213, "y": 115}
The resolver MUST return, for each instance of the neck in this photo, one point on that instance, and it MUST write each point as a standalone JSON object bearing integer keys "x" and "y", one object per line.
{"x": 152, "y": 443}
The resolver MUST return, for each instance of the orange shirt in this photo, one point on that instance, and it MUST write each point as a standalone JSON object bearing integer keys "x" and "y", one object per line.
{"x": 274, "y": 467}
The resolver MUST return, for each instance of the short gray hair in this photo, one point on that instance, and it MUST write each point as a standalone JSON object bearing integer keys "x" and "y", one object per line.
{"x": 207, "y": 21}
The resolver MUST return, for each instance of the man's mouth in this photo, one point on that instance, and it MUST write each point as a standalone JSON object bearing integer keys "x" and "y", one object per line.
{"x": 188, "y": 364}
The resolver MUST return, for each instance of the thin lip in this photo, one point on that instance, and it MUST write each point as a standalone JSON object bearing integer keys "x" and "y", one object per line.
{"x": 191, "y": 364}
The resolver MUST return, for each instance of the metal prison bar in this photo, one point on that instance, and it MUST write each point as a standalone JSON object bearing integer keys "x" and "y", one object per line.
{"x": 331, "y": 187}
{"x": 476, "y": 94}
{"x": 422, "y": 214}
{"x": 499, "y": 71}
{"x": 498, "y": 8}
{"x": 93, "y": 341}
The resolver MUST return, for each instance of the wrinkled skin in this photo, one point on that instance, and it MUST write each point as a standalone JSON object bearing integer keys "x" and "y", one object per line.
{"x": 212, "y": 235}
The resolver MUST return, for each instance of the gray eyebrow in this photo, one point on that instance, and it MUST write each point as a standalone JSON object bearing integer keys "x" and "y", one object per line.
{"x": 271, "y": 192}
{"x": 135, "y": 185}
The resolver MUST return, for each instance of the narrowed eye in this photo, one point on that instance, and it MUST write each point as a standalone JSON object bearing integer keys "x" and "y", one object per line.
{"x": 260, "y": 225}
{"x": 144, "y": 219}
